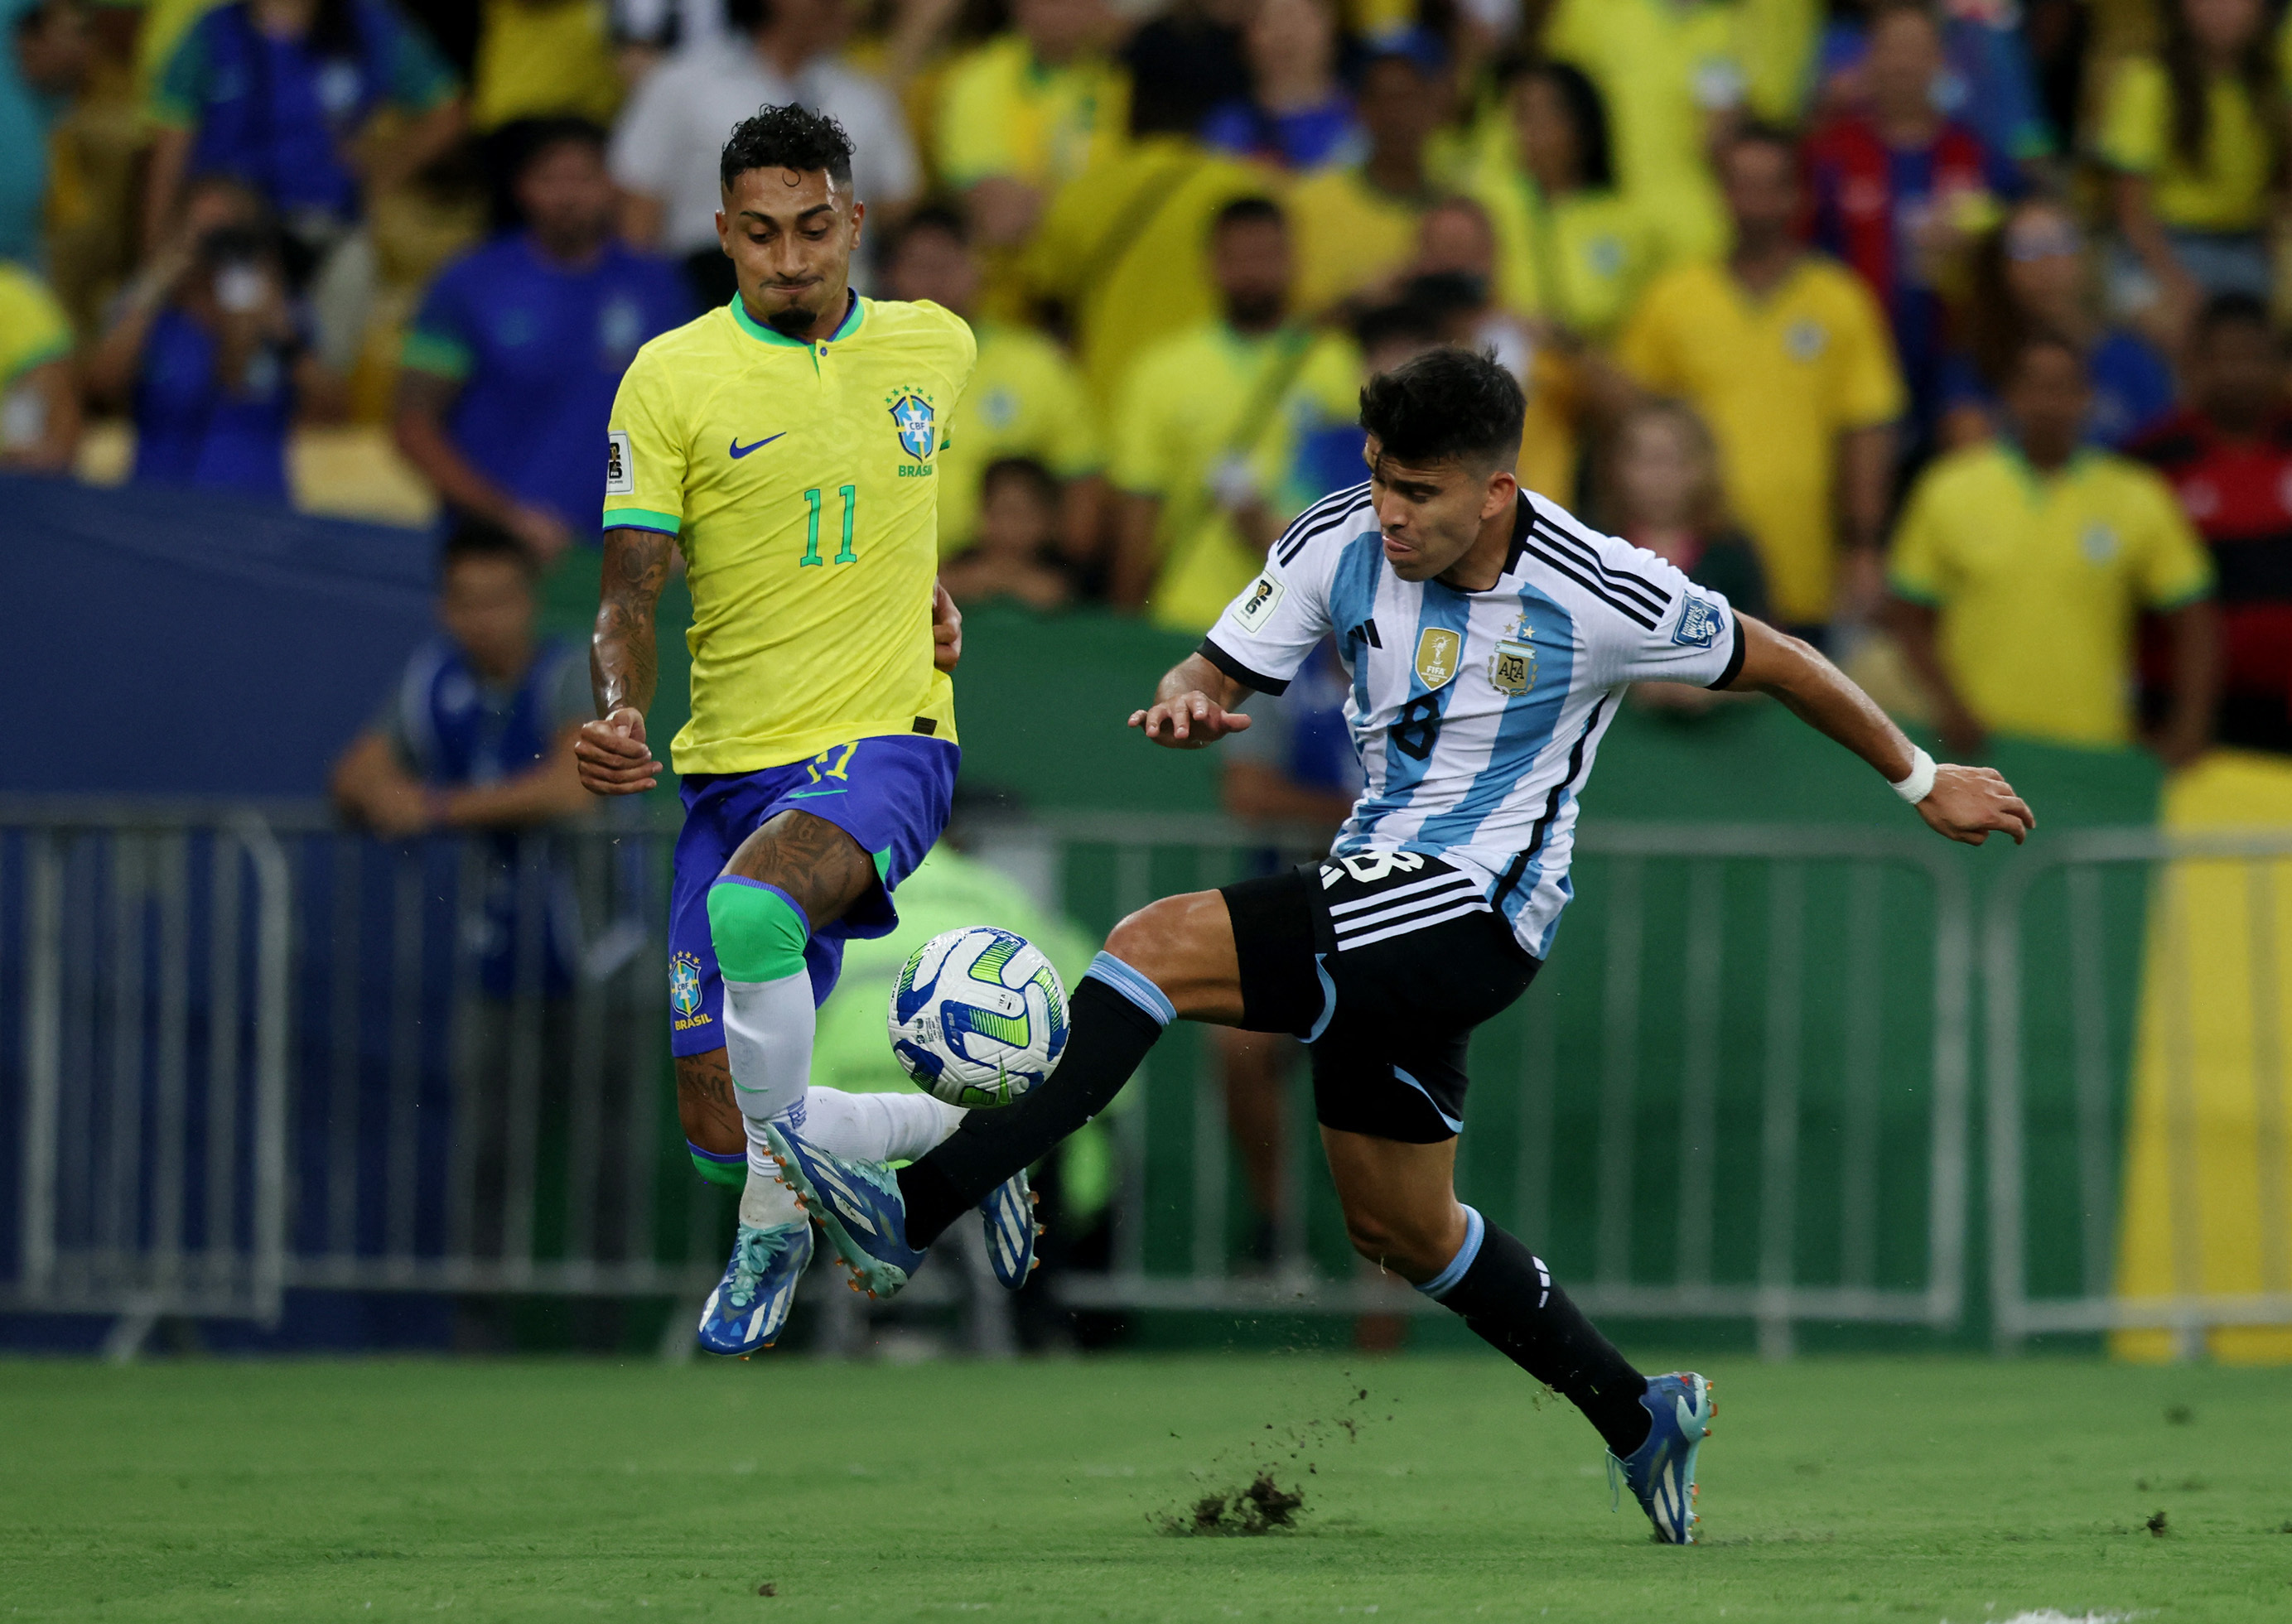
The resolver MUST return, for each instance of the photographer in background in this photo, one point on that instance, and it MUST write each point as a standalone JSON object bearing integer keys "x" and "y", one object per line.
{"x": 210, "y": 354}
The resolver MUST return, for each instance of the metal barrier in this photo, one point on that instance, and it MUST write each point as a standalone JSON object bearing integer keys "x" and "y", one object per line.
{"x": 1739, "y": 1090}
{"x": 1721, "y": 999}
{"x": 2158, "y": 957}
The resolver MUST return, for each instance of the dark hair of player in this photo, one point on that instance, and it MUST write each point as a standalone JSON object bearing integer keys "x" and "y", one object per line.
{"x": 789, "y": 137}
{"x": 1247, "y": 212}
{"x": 2231, "y": 309}
{"x": 1448, "y": 405}
{"x": 475, "y": 539}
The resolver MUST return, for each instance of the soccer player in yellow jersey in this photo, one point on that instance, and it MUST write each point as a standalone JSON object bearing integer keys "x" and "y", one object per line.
{"x": 787, "y": 444}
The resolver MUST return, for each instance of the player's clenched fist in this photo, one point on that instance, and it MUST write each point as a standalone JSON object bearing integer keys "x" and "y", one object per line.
{"x": 613, "y": 756}
{"x": 1187, "y": 721}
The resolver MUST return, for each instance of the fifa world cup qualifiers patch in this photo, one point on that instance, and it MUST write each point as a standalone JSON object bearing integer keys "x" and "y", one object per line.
{"x": 1700, "y": 622}
{"x": 1437, "y": 648}
{"x": 1257, "y": 608}
{"x": 620, "y": 468}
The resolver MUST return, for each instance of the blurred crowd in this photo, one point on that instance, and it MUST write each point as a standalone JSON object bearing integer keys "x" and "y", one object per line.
{"x": 1942, "y": 329}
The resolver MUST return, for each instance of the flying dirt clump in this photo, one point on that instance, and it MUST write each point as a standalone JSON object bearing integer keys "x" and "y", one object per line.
{"x": 1261, "y": 1508}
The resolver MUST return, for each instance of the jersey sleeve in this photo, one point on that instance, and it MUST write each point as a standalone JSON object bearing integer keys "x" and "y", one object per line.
{"x": 438, "y": 339}
{"x": 645, "y": 452}
{"x": 1870, "y": 392}
{"x": 2172, "y": 566}
{"x": 1915, "y": 565}
{"x": 1272, "y": 626}
{"x": 1654, "y": 624}
{"x": 2134, "y": 119}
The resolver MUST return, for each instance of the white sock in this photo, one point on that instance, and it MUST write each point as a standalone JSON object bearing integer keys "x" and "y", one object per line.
{"x": 897, "y": 1127}
{"x": 768, "y": 1032}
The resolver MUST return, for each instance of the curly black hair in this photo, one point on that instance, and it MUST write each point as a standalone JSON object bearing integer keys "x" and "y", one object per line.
{"x": 789, "y": 137}
{"x": 1445, "y": 404}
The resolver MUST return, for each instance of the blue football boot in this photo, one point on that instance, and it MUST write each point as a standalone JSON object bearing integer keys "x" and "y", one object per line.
{"x": 1009, "y": 1214}
{"x": 1661, "y": 1472}
{"x": 859, "y": 1206}
{"x": 750, "y": 1304}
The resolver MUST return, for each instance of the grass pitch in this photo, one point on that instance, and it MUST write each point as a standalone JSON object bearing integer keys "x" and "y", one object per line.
{"x": 1849, "y": 1489}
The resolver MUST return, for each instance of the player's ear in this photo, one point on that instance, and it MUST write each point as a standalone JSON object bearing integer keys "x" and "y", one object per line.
{"x": 859, "y": 214}
{"x": 1502, "y": 491}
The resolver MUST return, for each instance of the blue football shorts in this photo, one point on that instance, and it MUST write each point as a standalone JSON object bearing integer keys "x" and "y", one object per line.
{"x": 890, "y": 795}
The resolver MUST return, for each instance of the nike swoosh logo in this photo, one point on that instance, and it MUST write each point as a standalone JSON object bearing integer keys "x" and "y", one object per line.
{"x": 739, "y": 451}
{"x": 812, "y": 795}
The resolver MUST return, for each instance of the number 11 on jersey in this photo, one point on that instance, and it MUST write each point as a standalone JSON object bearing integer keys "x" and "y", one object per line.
{"x": 850, "y": 495}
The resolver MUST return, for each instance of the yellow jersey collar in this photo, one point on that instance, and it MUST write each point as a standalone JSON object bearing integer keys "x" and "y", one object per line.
{"x": 763, "y": 334}
{"x": 2035, "y": 480}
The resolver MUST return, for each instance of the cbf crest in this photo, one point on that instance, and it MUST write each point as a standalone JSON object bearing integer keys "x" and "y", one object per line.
{"x": 1512, "y": 668}
{"x": 684, "y": 989}
{"x": 915, "y": 420}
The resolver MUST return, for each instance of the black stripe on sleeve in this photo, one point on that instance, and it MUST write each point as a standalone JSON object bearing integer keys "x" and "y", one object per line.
{"x": 1587, "y": 554}
{"x": 1239, "y": 672}
{"x": 1318, "y": 519}
{"x": 1630, "y": 609}
{"x": 1735, "y": 655}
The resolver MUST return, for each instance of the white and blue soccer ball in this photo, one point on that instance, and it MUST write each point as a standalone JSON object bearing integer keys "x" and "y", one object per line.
{"x": 979, "y": 1017}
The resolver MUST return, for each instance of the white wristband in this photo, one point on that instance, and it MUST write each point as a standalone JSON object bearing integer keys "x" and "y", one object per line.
{"x": 1920, "y": 782}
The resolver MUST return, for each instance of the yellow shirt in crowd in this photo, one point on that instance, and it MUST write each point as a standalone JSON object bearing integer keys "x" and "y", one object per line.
{"x": 32, "y": 327}
{"x": 1778, "y": 379}
{"x": 2229, "y": 190}
{"x": 1125, "y": 248}
{"x": 1663, "y": 68}
{"x": 2037, "y": 580}
{"x": 1003, "y": 113}
{"x": 1205, "y": 402}
{"x": 802, "y": 483}
{"x": 1347, "y": 235}
{"x": 1581, "y": 260}
{"x": 1025, "y": 400}
{"x": 544, "y": 58}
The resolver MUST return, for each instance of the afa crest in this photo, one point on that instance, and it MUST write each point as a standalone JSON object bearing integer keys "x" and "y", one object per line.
{"x": 917, "y": 422}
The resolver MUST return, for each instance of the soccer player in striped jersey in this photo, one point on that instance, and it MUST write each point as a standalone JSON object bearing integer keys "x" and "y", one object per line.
{"x": 1489, "y": 638}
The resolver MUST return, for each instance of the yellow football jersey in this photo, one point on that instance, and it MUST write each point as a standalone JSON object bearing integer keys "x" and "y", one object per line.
{"x": 801, "y": 481}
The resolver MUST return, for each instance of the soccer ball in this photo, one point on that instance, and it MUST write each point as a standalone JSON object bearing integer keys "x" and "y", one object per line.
{"x": 978, "y": 1017}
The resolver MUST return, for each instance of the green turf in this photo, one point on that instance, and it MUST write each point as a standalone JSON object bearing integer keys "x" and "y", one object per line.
{"x": 1865, "y": 1489}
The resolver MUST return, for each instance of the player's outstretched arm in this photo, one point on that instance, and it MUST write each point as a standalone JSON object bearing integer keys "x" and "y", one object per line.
{"x": 623, "y": 665}
{"x": 1193, "y": 706}
{"x": 1965, "y": 803}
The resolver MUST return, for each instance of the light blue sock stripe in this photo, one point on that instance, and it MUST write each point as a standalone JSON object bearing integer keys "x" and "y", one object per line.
{"x": 1134, "y": 986}
{"x": 1445, "y": 1282}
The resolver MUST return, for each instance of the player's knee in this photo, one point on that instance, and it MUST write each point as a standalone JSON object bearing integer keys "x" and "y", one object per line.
{"x": 1412, "y": 1245}
{"x": 1153, "y": 940}
{"x": 758, "y": 932}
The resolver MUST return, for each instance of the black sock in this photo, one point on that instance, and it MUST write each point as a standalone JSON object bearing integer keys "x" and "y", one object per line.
{"x": 1111, "y": 1035}
{"x": 1507, "y": 1297}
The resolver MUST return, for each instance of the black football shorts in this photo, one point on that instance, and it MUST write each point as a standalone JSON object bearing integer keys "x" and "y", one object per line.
{"x": 1383, "y": 962}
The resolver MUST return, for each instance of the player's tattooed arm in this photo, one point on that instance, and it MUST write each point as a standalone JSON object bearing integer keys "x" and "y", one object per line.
{"x": 1193, "y": 706}
{"x": 624, "y": 664}
{"x": 1965, "y": 803}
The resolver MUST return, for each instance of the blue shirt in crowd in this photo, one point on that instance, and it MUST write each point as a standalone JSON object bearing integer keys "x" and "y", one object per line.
{"x": 538, "y": 350}
{"x": 25, "y": 115}
{"x": 279, "y": 115}
{"x": 1306, "y": 139}
{"x": 192, "y": 431}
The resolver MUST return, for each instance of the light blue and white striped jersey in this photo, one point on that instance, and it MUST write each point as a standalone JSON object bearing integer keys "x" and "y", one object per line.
{"x": 1477, "y": 714}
